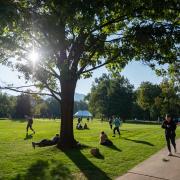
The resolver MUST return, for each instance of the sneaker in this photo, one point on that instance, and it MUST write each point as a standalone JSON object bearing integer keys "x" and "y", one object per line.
{"x": 169, "y": 154}
{"x": 33, "y": 145}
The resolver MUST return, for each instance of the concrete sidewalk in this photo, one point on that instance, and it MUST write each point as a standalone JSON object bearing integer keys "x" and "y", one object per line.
{"x": 157, "y": 167}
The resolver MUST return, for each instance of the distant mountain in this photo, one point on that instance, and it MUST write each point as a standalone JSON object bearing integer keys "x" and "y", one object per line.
{"x": 79, "y": 97}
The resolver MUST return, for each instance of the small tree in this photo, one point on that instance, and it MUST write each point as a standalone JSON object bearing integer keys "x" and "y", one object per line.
{"x": 73, "y": 38}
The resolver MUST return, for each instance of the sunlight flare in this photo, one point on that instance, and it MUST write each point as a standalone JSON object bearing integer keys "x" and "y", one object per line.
{"x": 33, "y": 56}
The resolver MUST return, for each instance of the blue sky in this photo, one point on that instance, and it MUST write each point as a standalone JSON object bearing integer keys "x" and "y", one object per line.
{"x": 136, "y": 72}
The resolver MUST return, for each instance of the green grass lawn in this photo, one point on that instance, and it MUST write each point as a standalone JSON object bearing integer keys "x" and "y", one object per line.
{"x": 18, "y": 160}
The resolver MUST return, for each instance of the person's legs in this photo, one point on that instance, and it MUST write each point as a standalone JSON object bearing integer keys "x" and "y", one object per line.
{"x": 118, "y": 130}
{"x": 109, "y": 142}
{"x": 42, "y": 143}
{"x": 168, "y": 143}
{"x": 27, "y": 127}
{"x": 30, "y": 126}
{"x": 114, "y": 131}
{"x": 173, "y": 142}
{"x": 45, "y": 142}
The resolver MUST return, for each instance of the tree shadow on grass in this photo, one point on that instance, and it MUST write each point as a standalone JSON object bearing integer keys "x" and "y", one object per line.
{"x": 28, "y": 136}
{"x": 89, "y": 170}
{"x": 46, "y": 171}
{"x": 139, "y": 141}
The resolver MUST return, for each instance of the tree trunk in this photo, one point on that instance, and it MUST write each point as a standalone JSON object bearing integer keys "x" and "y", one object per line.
{"x": 67, "y": 140}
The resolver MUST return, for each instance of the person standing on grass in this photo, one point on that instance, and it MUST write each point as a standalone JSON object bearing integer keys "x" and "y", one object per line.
{"x": 117, "y": 124}
{"x": 111, "y": 122}
{"x": 170, "y": 127}
{"x": 29, "y": 123}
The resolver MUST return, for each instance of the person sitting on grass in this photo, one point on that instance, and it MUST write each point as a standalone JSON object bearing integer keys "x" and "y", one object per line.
{"x": 104, "y": 139}
{"x": 85, "y": 126}
{"x": 46, "y": 142}
{"x": 79, "y": 126}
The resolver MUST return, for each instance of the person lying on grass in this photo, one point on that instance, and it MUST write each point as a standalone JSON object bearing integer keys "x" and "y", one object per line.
{"x": 46, "y": 142}
{"x": 104, "y": 139}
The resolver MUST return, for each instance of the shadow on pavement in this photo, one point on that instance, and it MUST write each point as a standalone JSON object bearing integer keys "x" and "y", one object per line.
{"x": 175, "y": 156}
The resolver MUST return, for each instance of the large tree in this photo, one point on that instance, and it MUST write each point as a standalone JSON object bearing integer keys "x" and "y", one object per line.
{"x": 7, "y": 105}
{"x": 23, "y": 106}
{"x": 74, "y": 37}
{"x": 111, "y": 96}
{"x": 169, "y": 99}
{"x": 146, "y": 95}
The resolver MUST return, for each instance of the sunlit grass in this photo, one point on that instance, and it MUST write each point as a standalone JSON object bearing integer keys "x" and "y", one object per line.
{"x": 18, "y": 160}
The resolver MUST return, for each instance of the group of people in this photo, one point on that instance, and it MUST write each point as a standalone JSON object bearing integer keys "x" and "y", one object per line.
{"x": 168, "y": 124}
{"x": 113, "y": 121}
{"x": 44, "y": 142}
{"x": 80, "y": 127}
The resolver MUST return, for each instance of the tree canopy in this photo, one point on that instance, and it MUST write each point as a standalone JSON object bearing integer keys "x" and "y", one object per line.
{"x": 111, "y": 96}
{"x": 73, "y": 38}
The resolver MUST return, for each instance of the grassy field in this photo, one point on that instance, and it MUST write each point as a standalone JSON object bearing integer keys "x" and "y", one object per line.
{"x": 19, "y": 161}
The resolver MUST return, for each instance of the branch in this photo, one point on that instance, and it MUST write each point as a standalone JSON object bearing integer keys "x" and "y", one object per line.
{"x": 103, "y": 64}
{"x": 51, "y": 90}
{"x": 53, "y": 73}
{"x": 39, "y": 42}
{"x": 19, "y": 87}
{"x": 84, "y": 66}
{"x": 120, "y": 18}
{"x": 26, "y": 92}
{"x": 115, "y": 20}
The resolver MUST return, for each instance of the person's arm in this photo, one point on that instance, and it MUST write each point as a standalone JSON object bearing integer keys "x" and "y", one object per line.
{"x": 163, "y": 125}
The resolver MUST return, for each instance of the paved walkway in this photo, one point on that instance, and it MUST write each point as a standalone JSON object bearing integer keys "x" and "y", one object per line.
{"x": 157, "y": 167}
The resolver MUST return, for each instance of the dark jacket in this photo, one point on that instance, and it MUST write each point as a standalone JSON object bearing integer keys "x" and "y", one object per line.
{"x": 169, "y": 127}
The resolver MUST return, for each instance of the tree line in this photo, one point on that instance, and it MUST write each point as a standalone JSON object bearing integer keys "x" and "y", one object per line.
{"x": 110, "y": 95}
{"x": 25, "y": 104}
{"x": 114, "y": 95}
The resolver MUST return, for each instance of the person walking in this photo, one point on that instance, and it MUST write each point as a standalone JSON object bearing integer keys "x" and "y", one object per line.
{"x": 117, "y": 124}
{"x": 170, "y": 127}
{"x": 29, "y": 123}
